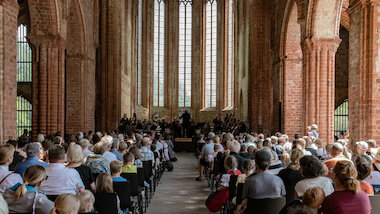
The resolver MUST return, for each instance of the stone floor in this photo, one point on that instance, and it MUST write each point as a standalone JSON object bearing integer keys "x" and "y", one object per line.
{"x": 178, "y": 192}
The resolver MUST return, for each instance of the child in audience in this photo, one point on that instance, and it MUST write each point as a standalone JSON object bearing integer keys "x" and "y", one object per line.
{"x": 212, "y": 156}
{"x": 104, "y": 184}
{"x": 129, "y": 166}
{"x": 66, "y": 204}
{"x": 137, "y": 156}
{"x": 313, "y": 198}
{"x": 87, "y": 200}
{"x": 363, "y": 166}
{"x": 156, "y": 156}
{"x": 221, "y": 197}
{"x": 116, "y": 168}
{"x": 7, "y": 178}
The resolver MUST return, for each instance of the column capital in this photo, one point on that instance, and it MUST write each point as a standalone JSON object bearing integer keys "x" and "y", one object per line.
{"x": 315, "y": 44}
{"x": 47, "y": 40}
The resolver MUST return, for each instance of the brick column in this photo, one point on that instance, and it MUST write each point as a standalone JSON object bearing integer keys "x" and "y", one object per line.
{"x": 319, "y": 84}
{"x": 8, "y": 69}
{"x": 364, "y": 67}
{"x": 48, "y": 84}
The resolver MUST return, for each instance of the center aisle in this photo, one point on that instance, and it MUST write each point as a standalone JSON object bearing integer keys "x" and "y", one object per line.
{"x": 178, "y": 192}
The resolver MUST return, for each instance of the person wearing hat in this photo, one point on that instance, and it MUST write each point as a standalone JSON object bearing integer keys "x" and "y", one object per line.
{"x": 33, "y": 152}
{"x": 314, "y": 131}
{"x": 361, "y": 149}
{"x": 374, "y": 177}
{"x": 336, "y": 155}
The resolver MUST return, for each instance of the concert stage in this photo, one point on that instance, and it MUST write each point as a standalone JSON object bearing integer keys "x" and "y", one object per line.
{"x": 184, "y": 145}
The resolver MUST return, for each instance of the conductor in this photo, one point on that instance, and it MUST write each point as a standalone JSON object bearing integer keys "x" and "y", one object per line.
{"x": 185, "y": 122}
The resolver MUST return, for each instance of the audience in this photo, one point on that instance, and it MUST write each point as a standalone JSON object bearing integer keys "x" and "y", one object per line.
{"x": 75, "y": 161}
{"x": 33, "y": 153}
{"x": 312, "y": 170}
{"x": 347, "y": 197}
{"x": 363, "y": 167}
{"x": 61, "y": 179}
{"x": 26, "y": 197}
{"x": 66, "y": 204}
{"x": 336, "y": 155}
{"x": 146, "y": 153}
{"x": 7, "y": 178}
{"x": 262, "y": 184}
{"x": 87, "y": 200}
{"x": 108, "y": 155}
{"x": 17, "y": 156}
{"x": 115, "y": 149}
{"x": 116, "y": 169}
{"x": 96, "y": 160}
{"x": 129, "y": 163}
{"x": 104, "y": 184}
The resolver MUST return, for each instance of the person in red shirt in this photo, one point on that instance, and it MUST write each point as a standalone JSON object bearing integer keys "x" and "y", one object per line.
{"x": 347, "y": 198}
{"x": 363, "y": 166}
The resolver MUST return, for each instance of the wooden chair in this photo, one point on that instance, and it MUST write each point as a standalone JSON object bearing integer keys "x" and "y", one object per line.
{"x": 106, "y": 203}
{"x": 265, "y": 206}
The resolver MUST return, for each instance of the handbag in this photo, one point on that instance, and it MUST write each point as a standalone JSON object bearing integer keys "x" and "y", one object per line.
{"x": 218, "y": 200}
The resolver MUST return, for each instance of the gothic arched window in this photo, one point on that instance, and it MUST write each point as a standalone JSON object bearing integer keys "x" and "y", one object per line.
{"x": 230, "y": 68}
{"x": 184, "y": 53}
{"x": 211, "y": 53}
{"x": 159, "y": 54}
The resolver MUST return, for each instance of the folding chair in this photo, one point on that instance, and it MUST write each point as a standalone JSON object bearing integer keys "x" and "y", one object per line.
{"x": 106, "y": 203}
{"x": 123, "y": 190}
{"x": 265, "y": 206}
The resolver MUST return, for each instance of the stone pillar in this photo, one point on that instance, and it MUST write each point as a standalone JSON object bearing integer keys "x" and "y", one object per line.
{"x": 319, "y": 84}
{"x": 364, "y": 68}
{"x": 8, "y": 69}
{"x": 48, "y": 84}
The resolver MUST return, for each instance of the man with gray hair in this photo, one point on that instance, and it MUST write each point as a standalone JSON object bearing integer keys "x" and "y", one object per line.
{"x": 314, "y": 131}
{"x": 33, "y": 153}
{"x": 234, "y": 148}
{"x": 115, "y": 148}
{"x": 108, "y": 140}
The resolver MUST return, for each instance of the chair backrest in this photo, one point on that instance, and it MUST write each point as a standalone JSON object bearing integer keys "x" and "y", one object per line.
{"x": 106, "y": 203}
{"x": 52, "y": 197}
{"x": 140, "y": 177}
{"x": 239, "y": 193}
{"x": 265, "y": 206}
{"x": 147, "y": 166}
{"x": 232, "y": 187}
{"x": 133, "y": 180}
{"x": 290, "y": 193}
{"x": 123, "y": 190}
{"x": 375, "y": 204}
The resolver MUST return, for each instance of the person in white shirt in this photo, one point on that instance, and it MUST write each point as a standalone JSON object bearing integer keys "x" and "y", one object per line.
{"x": 108, "y": 140}
{"x": 7, "y": 178}
{"x": 60, "y": 178}
{"x": 145, "y": 151}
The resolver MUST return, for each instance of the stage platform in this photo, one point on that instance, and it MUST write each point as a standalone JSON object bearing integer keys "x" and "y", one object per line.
{"x": 184, "y": 145}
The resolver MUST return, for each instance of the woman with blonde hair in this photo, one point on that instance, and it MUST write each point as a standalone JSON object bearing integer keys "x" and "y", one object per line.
{"x": 75, "y": 159}
{"x": 347, "y": 197}
{"x": 7, "y": 178}
{"x": 27, "y": 198}
{"x": 66, "y": 204}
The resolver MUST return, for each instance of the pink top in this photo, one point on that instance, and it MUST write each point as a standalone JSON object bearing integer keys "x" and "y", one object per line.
{"x": 346, "y": 202}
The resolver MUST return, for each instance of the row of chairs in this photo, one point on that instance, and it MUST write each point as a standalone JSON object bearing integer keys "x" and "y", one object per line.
{"x": 106, "y": 203}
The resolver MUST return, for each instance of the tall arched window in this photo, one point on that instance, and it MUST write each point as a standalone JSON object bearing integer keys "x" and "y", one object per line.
{"x": 230, "y": 70}
{"x": 139, "y": 47}
{"x": 211, "y": 53}
{"x": 24, "y": 76}
{"x": 184, "y": 53}
{"x": 159, "y": 53}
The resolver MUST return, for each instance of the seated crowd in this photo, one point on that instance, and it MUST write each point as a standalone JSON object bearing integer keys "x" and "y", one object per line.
{"x": 311, "y": 175}
{"x": 55, "y": 175}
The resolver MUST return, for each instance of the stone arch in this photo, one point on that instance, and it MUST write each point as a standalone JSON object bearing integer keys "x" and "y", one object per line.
{"x": 44, "y": 18}
{"x": 323, "y": 18}
{"x": 75, "y": 69}
{"x": 291, "y": 72}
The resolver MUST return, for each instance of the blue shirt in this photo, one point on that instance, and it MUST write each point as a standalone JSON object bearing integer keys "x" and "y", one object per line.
{"x": 119, "y": 156}
{"x": 21, "y": 167}
{"x": 119, "y": 179}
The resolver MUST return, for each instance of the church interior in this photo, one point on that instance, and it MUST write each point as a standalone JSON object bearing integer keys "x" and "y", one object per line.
{"x": 238, "y": 70}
